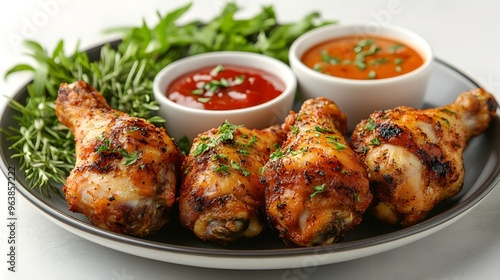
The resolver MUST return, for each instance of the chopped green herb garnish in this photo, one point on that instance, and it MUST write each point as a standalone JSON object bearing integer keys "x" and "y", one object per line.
{"x": 133, "y": 128}
{"x": 201, "y": 148}
{"x": 372, "y": 74}
{"x": 237, "y": 166}
{"x": 322, "y": 129}
{"x": 356, "y": 197}
{"x": 203, "y": 99}
{"x": 238, "y": 80}
{"x": 375, "y": 141}
{"x": 336, "y": 142}
{"x": 221, "y": 168}
{"x": 198, "y": 91}
{"x": 290, "y": 151}
{"x": 218, "y": 156}
{"x": 224, "y": 133}
{"x": 217, "y": 69}
{"x": 261, "y": 169}
{"x": 106, "y": 145}
{"x": 395, "y": 48}
{"x": 447, "y": 123}
{"x": 379, "y": 61}
{"x": 345, "y": 172}
{"x": 445, "y": 110}
{"x": 326, "y": 57}
{"x": 318, "y": 189}
{"x": 123, "y": 73}
{"x": 130, "y": 158}
{"x": 253, "y": 140}
{"x": 317, "y": 67}
{"x": 366, "y": 42}
{"x": 361, "y": 54}
{"x": 243, "y": 152}
{"x": 360, "y": 64}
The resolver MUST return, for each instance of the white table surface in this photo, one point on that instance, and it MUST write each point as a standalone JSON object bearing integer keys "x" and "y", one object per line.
{"x": 463, "y": 33}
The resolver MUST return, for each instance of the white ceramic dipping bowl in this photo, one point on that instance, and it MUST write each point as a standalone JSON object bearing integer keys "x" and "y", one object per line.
{"x": 359, "y": 98}
{"x": 185, "y": 121}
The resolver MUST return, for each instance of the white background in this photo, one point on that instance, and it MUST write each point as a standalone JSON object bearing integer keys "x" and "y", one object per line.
{"x": 463, "y": 33}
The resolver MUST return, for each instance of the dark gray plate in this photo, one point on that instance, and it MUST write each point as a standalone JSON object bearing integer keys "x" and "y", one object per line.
{"x": 178, "y": 245}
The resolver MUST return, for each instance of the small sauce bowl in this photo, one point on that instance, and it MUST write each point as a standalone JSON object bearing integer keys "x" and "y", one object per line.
{"x": 184, "y": 121}
{"x": 358, "y": 98}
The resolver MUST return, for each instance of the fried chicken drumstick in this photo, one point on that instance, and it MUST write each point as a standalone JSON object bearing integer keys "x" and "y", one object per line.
{"x": 414, "y": 157}
{"x": 221, "y": 197}
{"x": 316, "y": 187}
{"x": 126, "y": 170}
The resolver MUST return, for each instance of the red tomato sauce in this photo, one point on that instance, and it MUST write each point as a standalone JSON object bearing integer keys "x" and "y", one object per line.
{"x": 362, "y": 58}
{"x": 224, "y": 87}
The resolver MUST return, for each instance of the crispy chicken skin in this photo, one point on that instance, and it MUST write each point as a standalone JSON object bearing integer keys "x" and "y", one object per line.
{"x": 126, "y": 170}
{"x": 316, "y": 187}
{"x": 414, "y": 157}
{"x": 221, "y": 198}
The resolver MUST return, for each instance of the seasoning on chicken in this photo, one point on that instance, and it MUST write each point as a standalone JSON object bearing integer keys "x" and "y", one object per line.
{"x": 221, "y": 197}
{"x": 414, "y": 157}
{"x": 126, "y": 169}
{"x": 317, "y": 187}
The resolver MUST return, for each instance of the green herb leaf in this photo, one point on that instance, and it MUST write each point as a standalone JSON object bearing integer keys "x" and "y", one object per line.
{"x": 326, "y": 57}
{"x": 203, "y": 99}
{"x": 237, "y": 166}
{"x": 214, "y": 72}
{"x": 105, "y": 146}
{"x": 322, "y": 129}
{"x": 130, "y": 158}
{"x": 356, "y": 197}
{"x": 124, "y": 74}
{"x": 375, "y": 141}
{"x": 201, "y": 148}
{"x": 184, "y": 145}
{"x": 336, "y": 142}
{"x": 370, "y": 125}
{"x": 19, "y": 68}
{"x": 372, "y": 74}
{"x": 276, "y": 154}
{"x": 378, "y": 61}
{"x": 221, "y": 168}
{"x": 198, "y": 91}
{"x": 318, "y": 189}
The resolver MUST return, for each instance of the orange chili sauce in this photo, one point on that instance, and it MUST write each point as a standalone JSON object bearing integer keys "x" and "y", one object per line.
{"x": 382, "y": 58}
{"x": 243, "y": 87}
